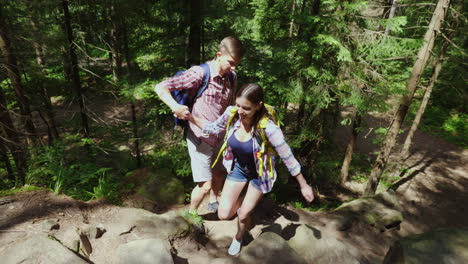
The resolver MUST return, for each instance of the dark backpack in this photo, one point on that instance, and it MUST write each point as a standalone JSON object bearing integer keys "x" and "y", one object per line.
{"x": 182, "y": 96}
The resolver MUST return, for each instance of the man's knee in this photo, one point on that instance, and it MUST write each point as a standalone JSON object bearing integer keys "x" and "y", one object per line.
{"x": 204, "y": 187}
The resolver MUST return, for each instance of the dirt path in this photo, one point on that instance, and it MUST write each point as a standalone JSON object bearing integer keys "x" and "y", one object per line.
{"x": 433, "y": 194}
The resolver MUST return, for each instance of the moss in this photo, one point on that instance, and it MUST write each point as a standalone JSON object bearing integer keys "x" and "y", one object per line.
{"x": 27, "y": 188}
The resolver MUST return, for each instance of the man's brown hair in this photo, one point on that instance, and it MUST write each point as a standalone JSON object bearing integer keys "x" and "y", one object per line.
{"x": 232, "y": 46}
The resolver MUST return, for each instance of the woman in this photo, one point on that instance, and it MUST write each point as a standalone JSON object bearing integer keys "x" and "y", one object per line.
{"x": 242, "y": 159}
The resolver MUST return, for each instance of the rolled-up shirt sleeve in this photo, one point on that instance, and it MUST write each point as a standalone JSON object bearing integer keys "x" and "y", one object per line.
{"x": 189, "y": 79}
{"x": 219, "y": 125}
{"x": 276, "y": 138}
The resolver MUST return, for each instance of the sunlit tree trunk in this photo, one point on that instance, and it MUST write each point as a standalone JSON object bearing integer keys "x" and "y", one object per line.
{"x": 391, "y": 14}
{"x": 350, "y": 149}
{"x": 418, "y": 68}
{"x": 116, "y": 47}
{"x": 75, "y": 77}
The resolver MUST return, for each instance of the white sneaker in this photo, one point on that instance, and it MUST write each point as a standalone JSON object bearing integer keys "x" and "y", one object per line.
{"x": 235, "y": 247}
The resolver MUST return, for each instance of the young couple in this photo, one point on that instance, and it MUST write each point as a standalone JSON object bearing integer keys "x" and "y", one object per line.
{"x": 208, "y": 122}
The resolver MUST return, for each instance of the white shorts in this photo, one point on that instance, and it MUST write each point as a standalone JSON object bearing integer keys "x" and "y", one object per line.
{"x": 202, "y": 156}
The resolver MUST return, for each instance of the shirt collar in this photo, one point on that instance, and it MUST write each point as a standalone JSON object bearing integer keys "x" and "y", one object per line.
{"x": 213, "y": 71}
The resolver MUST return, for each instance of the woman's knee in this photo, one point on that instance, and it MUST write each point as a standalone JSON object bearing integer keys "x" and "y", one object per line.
{"x": 223, "y": 214}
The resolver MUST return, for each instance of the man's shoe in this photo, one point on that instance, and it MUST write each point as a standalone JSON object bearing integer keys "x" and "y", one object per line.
{"x": 212, "y": 207}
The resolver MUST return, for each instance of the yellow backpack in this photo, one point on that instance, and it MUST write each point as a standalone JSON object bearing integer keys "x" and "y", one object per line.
{"x": 265, "y": 146}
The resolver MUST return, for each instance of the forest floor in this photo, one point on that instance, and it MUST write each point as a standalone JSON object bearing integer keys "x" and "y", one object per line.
{"x": 433, "y": 195}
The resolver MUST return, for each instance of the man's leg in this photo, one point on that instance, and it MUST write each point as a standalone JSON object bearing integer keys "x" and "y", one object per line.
{"x": 200, "y": 159}
{"x": 198, "y": 193}
{"x": 216, "y": 184}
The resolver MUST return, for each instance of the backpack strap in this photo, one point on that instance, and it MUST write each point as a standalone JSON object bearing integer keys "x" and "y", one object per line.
{"x": 205, "y": 81}
{"x": 223, "y": 148}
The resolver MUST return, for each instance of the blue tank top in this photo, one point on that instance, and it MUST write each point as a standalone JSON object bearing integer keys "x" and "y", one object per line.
{"x": 243, "y": 153}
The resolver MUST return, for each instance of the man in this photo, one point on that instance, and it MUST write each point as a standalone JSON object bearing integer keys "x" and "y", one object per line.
{"x": 210, "y": 105}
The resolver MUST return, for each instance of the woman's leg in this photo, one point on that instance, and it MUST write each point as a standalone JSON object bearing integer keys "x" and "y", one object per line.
{"x": 251, "y": 200}
{"x": 229, "y": 201}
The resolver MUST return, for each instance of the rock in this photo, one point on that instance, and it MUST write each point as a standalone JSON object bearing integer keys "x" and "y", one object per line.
{"x": 50, "y": 224}
{"x": 94, "y": 231}
{"x": 318, "y": 246}
{"x": 223, "y": 261}
{"x": 147, "y": 225}
{"x": 382, "y": 211}
{"x": 146, "y": 251}
{"x": 39, "y": 249}
{"x": 448, "y": 246}
{"x": 158, "y": 185}
{"x": 270, "y": 248}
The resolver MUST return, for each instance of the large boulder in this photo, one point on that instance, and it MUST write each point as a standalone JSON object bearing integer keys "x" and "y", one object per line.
{"x": 160, "y": 186}
{"x": 146, "y": 251}
{"x": 147, "y": 225}
{"x": 382, "y": 211}
{"x": 39, "y": 249}
{"x": 448, "y": 246}
{"x": 270, "y": 248}
{"x": 318, "y": 246}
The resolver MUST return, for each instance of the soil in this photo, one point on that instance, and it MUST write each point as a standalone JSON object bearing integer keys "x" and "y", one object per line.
{"x": 433, "y": 194}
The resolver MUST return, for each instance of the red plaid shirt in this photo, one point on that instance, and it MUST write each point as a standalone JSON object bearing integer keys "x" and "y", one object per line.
{"x": 214, "y": 100}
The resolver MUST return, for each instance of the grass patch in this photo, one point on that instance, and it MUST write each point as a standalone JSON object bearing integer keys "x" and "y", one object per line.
{"x": 26, "y": 188}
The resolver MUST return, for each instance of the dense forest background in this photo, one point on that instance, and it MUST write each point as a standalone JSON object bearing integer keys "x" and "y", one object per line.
{"x": 324, "y": 64}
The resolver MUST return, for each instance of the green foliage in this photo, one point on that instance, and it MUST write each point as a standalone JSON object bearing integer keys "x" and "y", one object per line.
{"x": 63, "y": 169}
{"x": 450, "y": 125}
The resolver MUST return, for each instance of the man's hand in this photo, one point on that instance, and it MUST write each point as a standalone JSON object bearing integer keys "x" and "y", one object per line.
{"x": 181, "y": 112}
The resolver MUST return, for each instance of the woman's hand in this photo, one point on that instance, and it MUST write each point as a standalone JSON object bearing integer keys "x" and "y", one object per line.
{"x": 306, "y": 190}
{"x": 307, "y": 193}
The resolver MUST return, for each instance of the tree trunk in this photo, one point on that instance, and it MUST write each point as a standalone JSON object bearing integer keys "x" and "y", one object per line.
{"x": 75, "y": 77}
{"x": 4, "y": 157}
{"x": 132, "y": 105}
{"x": 350, "y": 149}
{"x": 12, "y": 140}
{"x": 193, "y": 49}
{"x": 40, "y": 59}
{"x": 391, "y": 15}
{"x": 291, "y": 24}
{"x": 115, "y": 38}
{"x": 13, "y": 73}
{"x": 418, "y": 68}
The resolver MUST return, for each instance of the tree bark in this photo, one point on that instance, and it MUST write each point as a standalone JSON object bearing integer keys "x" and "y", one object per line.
{"x": 418, "y": 68}
{"x": 12, "y": 140}
{"x": 291, "y": 24}
{"x": 40, "y": 59}
{"x": 194, "y": 41}
{"x": 75, "y": 77}
{"x": 13, "y": 73}
{"x": 391, "y": 15}
{"x": 132, "y": 104}
{"x": 116, "y": 49}
{"x": 4, "y": 156}
{"x": 350, "y": 149}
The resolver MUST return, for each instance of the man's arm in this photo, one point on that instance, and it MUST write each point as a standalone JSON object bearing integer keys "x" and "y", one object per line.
{"x": 181, "y": 111}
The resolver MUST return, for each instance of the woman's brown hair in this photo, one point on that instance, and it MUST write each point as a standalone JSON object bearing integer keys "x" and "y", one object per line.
{"x": 254, "y": 93}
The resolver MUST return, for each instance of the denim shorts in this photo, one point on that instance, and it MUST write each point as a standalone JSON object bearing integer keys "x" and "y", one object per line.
{"x": 239, "y": 174}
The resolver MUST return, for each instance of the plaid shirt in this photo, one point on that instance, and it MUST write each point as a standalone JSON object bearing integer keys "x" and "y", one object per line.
{"x": 275, "y": 137}
{"x": 214, "y": 100}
